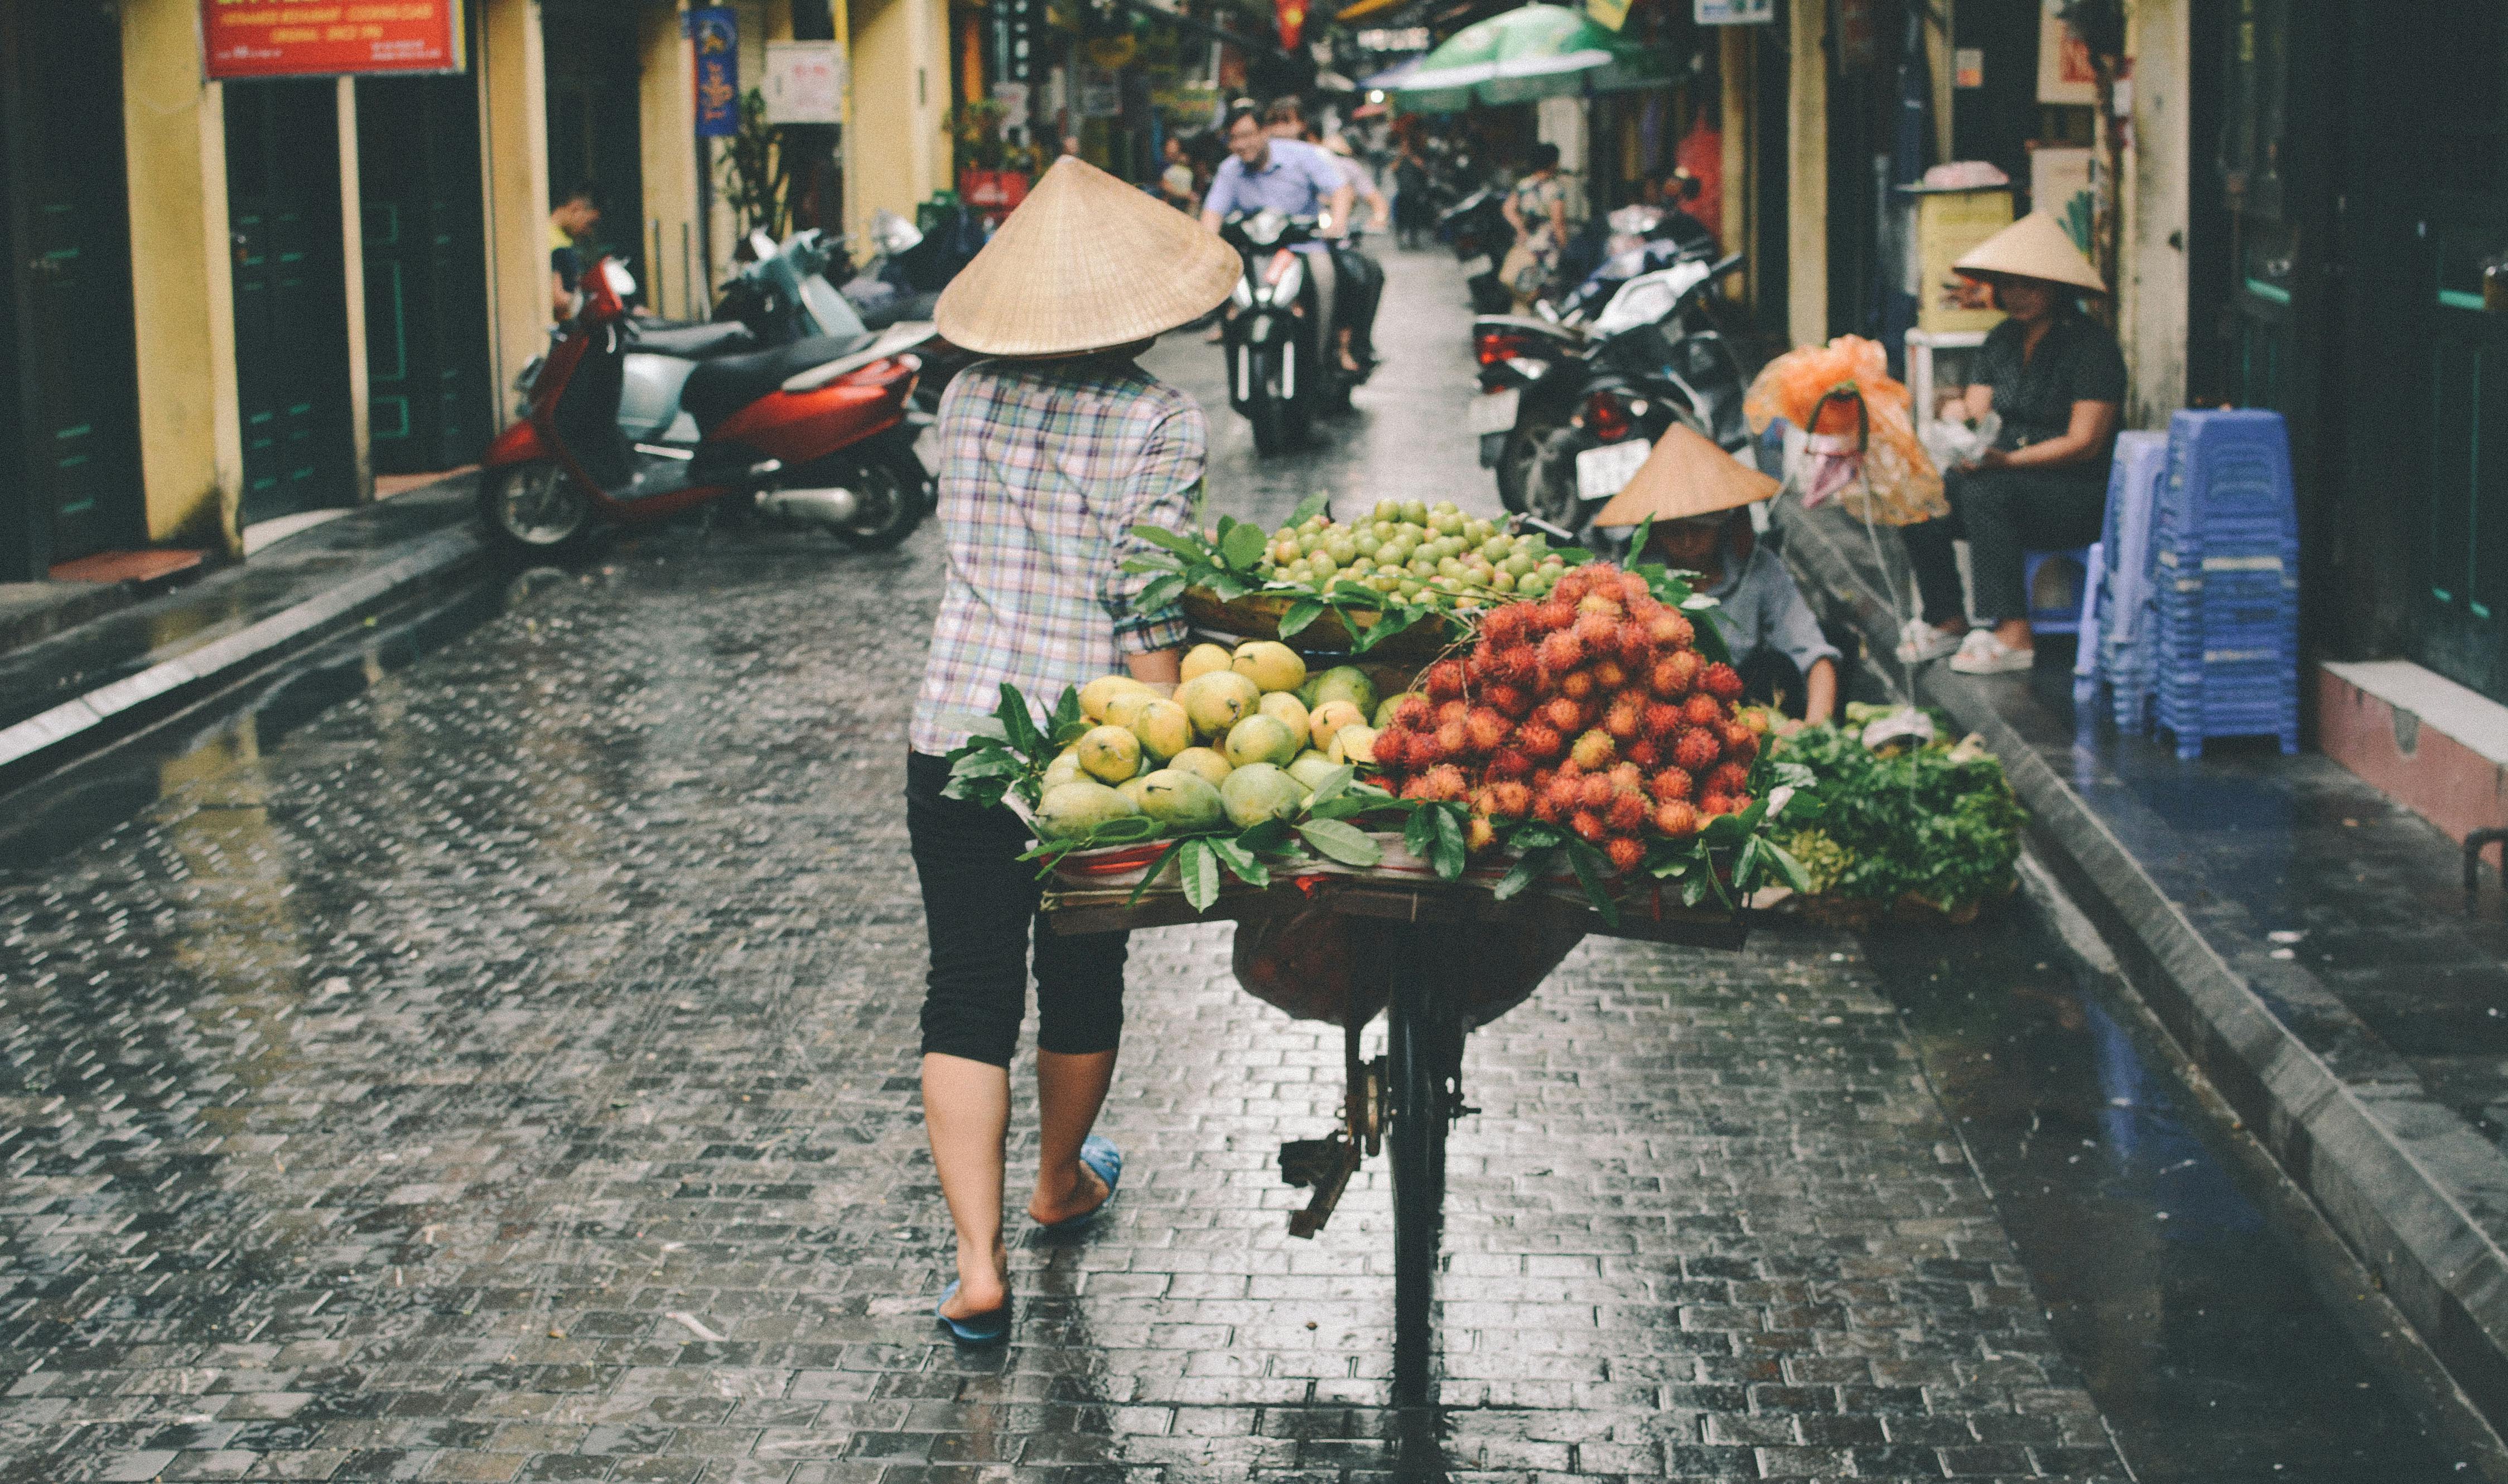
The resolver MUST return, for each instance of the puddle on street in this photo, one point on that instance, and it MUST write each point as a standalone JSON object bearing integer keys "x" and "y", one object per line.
{"x": 53, "y": 815}
{"x": 2190, "y": 1317}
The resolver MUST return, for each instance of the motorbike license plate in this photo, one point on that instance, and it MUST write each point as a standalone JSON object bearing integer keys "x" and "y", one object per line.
{"x": 1495, "y": 412}
{"x": 1604, "y": 471}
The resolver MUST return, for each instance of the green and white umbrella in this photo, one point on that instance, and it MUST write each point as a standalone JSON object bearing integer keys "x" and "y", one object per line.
{"x": 1534, "y": 52}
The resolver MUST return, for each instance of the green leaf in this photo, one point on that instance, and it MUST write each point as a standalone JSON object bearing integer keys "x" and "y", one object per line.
{"x": 1131, "y": 829}
{"x": 1160, "y": 595}
{"x": 1747, "y": 862}
{"x": 1149, "y": 564}
{"x": 1227, "y": 588}
{"x": 1529, "y": 867}
{"x": 1241, "y": 862}
{"x": 1067, "y": 710}
{"x": 1200, "y": 875}
{"x": 1243, "y": 546}
{"x": 991, "y": 762}
{"x": 1018, "y": 724}
{"x": 1390, "y": 621}
{"x": 1449, "y": 853}
{"x": 1334, "y": 784}
{"x": 1588, "y": 864}
{"x": 1723, "y": 830}
{"x": 1182, "y": 545}
{"x": 1305, "y": 611}
{"x": 1349, "y": 594}
{"x": 1226, "y": 524}
{"x": 1638, "y": 541}
{"x": 1069, "y": 732}
{"x": 1344, "y": 807}
{"x": 1267, "y": 838}
{"x": 1158, "y": 863}
{"x": 1318, "y": 503}
{"x": 1420, "y": 831}
{"x": 1345, "y": 843}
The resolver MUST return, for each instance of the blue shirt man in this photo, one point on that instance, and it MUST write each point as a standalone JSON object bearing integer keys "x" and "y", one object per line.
{"x": 1294, "y": 178}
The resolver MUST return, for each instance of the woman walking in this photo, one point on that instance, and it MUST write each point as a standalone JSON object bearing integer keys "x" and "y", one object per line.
{"x": 1050, "y": 454}
{"x": 1537, "y": 209}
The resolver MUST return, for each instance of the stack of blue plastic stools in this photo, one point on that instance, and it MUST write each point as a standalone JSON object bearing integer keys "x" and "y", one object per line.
{"x": 2224, "y": 575}
{"x": 2122, "y": 580}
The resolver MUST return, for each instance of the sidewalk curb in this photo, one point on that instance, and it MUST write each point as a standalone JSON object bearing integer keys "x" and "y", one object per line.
{"x": 2418, "y": 1196}
{"x": 112, "y": 711}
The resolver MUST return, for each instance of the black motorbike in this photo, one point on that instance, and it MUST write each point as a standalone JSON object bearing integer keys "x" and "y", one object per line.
{"x": 1654, "y": 355}
{"x": 1283, "y": 369}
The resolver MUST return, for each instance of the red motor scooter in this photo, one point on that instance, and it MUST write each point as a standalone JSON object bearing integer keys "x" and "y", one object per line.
{"x": 811, "y": 433}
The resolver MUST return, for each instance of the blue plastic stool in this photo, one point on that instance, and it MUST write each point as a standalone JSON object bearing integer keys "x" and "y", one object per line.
{"x": 2065, "y": 615}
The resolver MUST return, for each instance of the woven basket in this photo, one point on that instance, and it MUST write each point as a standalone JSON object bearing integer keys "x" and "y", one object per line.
{"x": 1257, "y": 616}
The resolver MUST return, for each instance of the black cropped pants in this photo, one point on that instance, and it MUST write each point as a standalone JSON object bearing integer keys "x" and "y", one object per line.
{"x": 2000, "y": 511}
{"x": 979, "y": 908}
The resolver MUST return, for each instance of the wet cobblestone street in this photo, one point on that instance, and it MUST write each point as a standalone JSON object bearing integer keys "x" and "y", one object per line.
{"x": 508, "y": 1074}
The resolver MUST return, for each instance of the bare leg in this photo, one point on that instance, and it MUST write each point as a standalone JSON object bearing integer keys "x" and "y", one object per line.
{"x": 1069, "y": 1090}
{"x": 967, "y": 1112}
{"x": 1349, "y": 361}
{"x": 2014, "y": 634}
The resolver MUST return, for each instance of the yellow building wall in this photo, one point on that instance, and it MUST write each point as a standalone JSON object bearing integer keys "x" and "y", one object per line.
{"x": 513, "y": 174}
{"x": 896, "y": 140}
{"x": 667, "y": 107}
{"x": 191, "y": 443}
{"x": 1807, "y": 178}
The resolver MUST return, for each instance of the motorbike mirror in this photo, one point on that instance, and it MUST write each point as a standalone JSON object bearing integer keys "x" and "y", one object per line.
{"x": 621, "y": 283}
{"x": 893, "y": 233}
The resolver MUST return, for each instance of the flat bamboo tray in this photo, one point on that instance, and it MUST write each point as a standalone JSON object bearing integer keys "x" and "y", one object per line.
{"x": 1257, "y": 616}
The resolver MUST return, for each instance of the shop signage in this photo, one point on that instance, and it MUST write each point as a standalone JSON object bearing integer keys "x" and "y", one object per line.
{"x": 2064, "y": 71}
{"x": 714, "y": 34}
{"x": 1012, "y": 100}
{"x": 805, "y": 82}
{"x": 1402, "y": 38}
{"x": 329, "y": 38}
{"x": 1736, "y": 11}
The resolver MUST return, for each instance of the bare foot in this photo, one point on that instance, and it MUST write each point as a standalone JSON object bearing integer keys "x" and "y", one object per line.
{"x": 982, "y": 1287}
{"x": 1080, "y": 1192}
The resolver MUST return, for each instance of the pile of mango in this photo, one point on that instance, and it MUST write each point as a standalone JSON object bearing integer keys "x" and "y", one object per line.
{"x": 1246, "y": 737}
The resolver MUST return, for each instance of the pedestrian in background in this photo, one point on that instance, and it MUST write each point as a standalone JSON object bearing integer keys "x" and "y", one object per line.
{"x": 1050, "y": 453}
{"x": 2054, "y": 377}
{"x": 1537, "y": 209}
{"x": 1413, "y": 212}
{"x": 1176, "y": 182}
{"x": 570, "y": 232}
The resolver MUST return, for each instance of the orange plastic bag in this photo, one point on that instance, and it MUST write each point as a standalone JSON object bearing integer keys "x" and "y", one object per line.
{"x": 1899, "y": 485}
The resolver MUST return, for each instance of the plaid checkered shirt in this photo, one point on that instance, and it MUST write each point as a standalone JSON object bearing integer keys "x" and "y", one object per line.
{"x": 1045, "y": 469}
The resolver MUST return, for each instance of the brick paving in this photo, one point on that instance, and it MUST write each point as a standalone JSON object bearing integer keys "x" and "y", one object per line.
{"x": 510, "y": 1076}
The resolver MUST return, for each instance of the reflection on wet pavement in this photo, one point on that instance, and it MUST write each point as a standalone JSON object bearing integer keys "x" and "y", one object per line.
{"x": 2194, "y": 1323}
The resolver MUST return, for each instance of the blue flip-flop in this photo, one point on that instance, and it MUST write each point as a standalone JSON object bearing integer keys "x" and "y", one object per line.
{"x": 988, "y": 1329}
{"x": 1104, "y": 1160}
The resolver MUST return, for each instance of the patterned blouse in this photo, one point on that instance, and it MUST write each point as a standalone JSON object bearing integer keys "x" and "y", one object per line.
{"x": 1045, "y": 469}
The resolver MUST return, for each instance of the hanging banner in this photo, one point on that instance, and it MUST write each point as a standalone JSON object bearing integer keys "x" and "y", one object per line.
{"x": 715, "y": 31}
{"x": 1610, "y": 15}
{"x": 1737, "y": 11}
{"x": 1292, "y": 16}
{"x": 329, "y": 38}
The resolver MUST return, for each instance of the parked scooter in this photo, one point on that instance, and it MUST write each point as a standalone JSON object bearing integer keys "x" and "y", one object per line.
{"x": 1653, "y": 356}
{"x": 811, "y": 433}
{"x": 1283, "y": 370}
{"x": 1476, "y": 226}
{"x": 790, "y": 293}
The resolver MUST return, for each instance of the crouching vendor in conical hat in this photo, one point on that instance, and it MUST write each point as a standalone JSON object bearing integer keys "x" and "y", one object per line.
{"x": 1050, "y": 453}
{"x": 1699, "y": 498}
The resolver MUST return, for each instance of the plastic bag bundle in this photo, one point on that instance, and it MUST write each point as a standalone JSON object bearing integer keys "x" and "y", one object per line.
{"x": 1842, "y": 395}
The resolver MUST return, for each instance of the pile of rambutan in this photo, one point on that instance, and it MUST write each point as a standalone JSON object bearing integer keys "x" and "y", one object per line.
{"x": 1590, "y": 710}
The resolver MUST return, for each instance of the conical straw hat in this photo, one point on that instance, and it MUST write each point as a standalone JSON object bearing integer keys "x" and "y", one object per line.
{"x": 1085, "y": 263}
{"x": 2036, "y": 246}
{"x": 1685, "y": 475}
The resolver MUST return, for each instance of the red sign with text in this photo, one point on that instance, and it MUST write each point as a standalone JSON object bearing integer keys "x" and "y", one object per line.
{"x": 329, "y": 38}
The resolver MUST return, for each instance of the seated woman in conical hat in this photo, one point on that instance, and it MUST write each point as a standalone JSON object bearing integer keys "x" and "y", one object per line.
{"x": 1699, "y": 498}
{"x": 2055, "y": 379}
{"x": 1051, "y": 452}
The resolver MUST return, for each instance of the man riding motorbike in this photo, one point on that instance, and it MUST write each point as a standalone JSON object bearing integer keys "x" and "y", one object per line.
{"x": 1295, "y": 179}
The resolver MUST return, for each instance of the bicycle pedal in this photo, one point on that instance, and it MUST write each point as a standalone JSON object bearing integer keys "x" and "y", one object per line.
{"x": 1308, "y": 1163}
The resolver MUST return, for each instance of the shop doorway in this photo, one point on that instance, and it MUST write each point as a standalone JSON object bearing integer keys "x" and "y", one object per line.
{"x": 290, "y": 298}
{"x": 69, "y": 478}
{"x": 596, "y": 125}
{"x": 429, "y": 399}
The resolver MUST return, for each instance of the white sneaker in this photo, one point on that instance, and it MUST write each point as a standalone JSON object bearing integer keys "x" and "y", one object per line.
{"x": 1982, "y": 654}
{"x": 1920, "y": 641}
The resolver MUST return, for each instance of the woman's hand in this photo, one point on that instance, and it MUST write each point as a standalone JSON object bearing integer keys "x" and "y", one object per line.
{"x": 1991, "y": 458}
